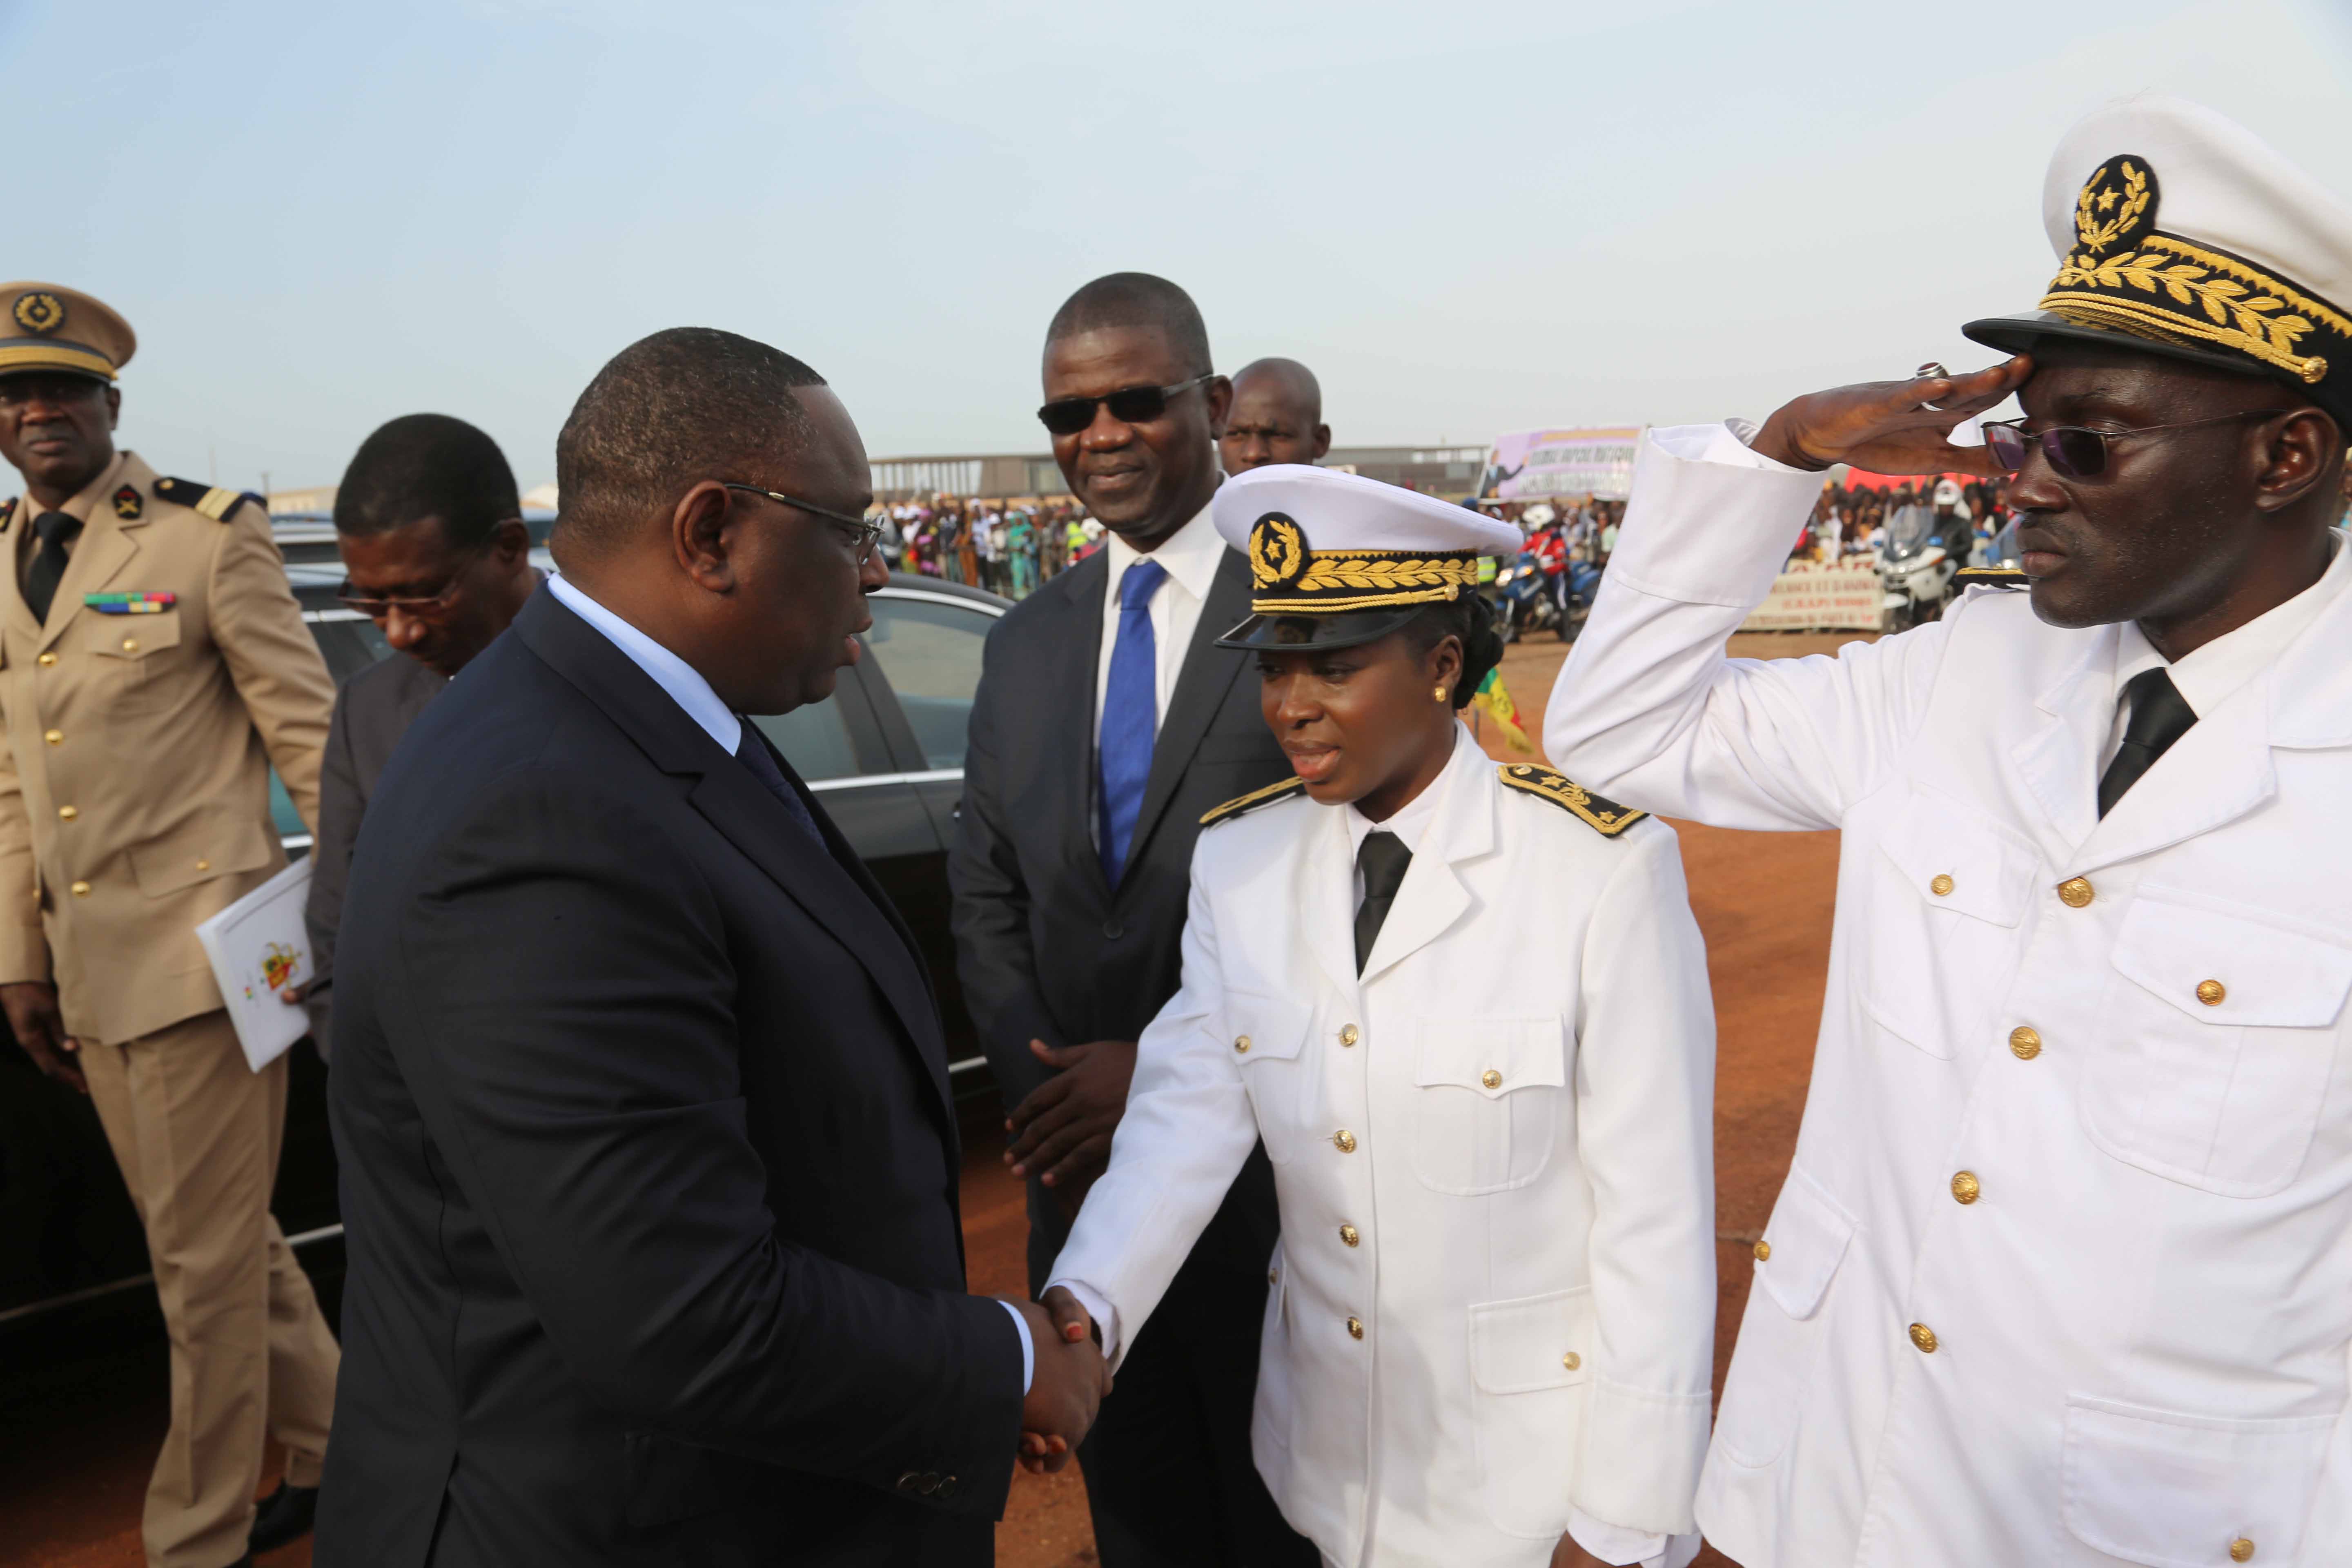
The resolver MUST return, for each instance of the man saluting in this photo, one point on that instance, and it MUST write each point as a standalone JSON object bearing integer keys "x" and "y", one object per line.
{"x": 2059, "y": 1275}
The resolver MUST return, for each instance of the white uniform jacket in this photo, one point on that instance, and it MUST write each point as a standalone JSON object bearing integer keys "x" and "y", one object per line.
{"x": 1493, "y": 1298}
{"x": 2061, "y": 1275}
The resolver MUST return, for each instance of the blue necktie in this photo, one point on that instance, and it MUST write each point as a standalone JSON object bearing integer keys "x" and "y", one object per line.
{"x": 1130, "y": 718}
{"x": 754, "y": 756}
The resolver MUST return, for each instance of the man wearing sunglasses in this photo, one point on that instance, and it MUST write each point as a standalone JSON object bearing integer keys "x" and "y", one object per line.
{"x": 435, "y": 553}
{"x": 1108, "y": 720}
{"x": 2060, "y": 1274}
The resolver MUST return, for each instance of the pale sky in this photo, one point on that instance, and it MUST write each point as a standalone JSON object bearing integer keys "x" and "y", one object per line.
{"x": 1466, "y": 217}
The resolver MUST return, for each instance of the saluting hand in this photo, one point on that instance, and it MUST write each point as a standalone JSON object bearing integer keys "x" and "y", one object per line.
{"x": 1064, "y": 1127}
{"x": 40, "y": 1029}
{"x": 1888, "y": 427}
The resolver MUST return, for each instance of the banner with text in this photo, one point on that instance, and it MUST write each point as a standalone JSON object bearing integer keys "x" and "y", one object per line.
{"x": 1540, "y": 465}
{"x": 1809, "y": 597}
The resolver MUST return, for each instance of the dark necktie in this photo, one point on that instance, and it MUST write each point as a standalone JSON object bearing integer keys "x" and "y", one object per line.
{"x": 754, "y": 754}
{"x": 1131, "y": 719}
{"x": 2160, "y": 716}
{"x": 48, "y": 568}
{"x": 1382, "y": 858}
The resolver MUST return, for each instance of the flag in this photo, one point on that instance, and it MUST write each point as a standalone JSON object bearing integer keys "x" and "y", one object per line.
{"x": 1495, "y": 701}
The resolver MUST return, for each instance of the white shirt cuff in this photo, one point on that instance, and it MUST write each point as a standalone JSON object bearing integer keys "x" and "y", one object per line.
{"x": 1028, "y": 1350}
{"x": 1105, "y": 1315}
{"x": 1613, "y": 1543}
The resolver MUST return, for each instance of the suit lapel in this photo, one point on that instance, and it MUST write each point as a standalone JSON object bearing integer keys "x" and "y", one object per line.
{"x": 1207, "y": 674}
{"x": 1324, "y": 896}
{"x": 1071, "y": 698}
{"x": 106, "y": 547}
{"x": 1434, "y": 895}
{"x": 2059, "y": 761}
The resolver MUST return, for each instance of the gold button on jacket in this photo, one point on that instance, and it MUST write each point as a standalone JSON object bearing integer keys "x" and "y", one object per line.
{"x": 1942, "y": 885}
{"x": 2024, "y": 1044}
{"x": 1345, "y": 1140}
{"x": 1966, "y": 1189}
{"x": 1241, "y": 1044}
{"x": 1348, "y": 1035}
{"x": 2075, "y": 893}
{"x": 1348, "y": 1234}
{"x": 2211, "y": 992}
{"x": 1763, "y": 1251}
{"x": 1923, "y": 1337}
{"x": 160, "y": 809}
{"x": 1491, "y": 1079}
{"x": 2241, "y": 1550}
{"x": 1355, "y": 1328}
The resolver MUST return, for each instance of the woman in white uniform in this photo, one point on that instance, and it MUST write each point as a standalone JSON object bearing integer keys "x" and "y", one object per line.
{"x": 1466, "y": 1007}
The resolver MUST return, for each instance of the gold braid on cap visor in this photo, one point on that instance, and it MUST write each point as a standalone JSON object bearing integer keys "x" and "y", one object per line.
{"x": 2163, "y": 288}
{"x": 1365, "y": 580}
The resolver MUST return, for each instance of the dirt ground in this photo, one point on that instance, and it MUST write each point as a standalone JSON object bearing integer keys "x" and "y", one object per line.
{"x": 75, "y": 1442}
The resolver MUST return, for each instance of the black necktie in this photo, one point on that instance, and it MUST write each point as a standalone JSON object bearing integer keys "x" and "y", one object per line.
{"x": 754, "y": 754}
{"x": 48, "y": 567}
{"x": 2160, "y": 716}
{"x": 1382, "y": 858}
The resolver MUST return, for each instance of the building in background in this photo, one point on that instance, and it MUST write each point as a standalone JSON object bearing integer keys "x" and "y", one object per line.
{"x": 1449, "y": 472}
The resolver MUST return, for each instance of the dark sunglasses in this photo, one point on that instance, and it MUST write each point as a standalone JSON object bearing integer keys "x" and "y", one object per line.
{"x": 1129, "y": 405}
{"x": 866, "y": 534}
{"x": 2080, "y": 453}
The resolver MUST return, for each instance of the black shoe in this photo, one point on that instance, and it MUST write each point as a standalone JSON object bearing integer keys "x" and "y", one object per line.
{"x": 284, "y": 1517}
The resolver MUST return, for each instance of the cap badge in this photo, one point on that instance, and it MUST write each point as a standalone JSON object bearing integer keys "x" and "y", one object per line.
{"x": 2117, "y": 205}
{"x": 1278, "y": 552}
{"x": 128, "y": 502}
{"x": 39, "y": 313}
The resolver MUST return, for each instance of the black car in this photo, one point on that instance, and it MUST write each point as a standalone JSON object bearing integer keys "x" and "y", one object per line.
{"x": 886, "y": 753}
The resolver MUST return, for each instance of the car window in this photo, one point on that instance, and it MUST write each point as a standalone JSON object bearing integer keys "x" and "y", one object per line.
{"x": 814, "y": 739}
{"x": 930, "y": 652}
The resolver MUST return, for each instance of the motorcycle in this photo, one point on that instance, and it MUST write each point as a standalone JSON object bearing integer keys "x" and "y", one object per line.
{"x": 1914, "y": 572}
{"x": 1524, "y": 600}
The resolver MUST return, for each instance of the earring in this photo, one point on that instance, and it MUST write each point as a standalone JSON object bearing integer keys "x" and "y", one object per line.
{"x": 1440, "y": 693}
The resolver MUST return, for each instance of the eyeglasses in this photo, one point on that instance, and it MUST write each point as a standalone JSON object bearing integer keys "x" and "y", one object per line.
{"x": 2081, "y": 453}
{"x": 375, "y": 609}
{"x": 1129, "y": 405}
{"x": 867, "y": 535}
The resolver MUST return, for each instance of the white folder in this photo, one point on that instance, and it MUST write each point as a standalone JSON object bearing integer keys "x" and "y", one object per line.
{"x": 258, "y": 946}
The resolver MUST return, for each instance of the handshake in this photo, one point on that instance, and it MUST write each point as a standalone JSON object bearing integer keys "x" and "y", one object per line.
{"x": 1067, "y": 1385}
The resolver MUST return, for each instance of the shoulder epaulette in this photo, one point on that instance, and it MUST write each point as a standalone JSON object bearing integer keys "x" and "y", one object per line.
{"x": 1991, "y": 577}
{"x": 8, "y": 514}
{"x": 1605, "y": 818}
{"x": 1252, "y": 801}
{"x": 214, "y": 502}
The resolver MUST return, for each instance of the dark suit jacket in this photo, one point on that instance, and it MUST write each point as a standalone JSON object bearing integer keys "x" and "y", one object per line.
{"x": 1045, "y": 949}
{"x": 648, "y": 1160}
{"x": 372, "y": 711}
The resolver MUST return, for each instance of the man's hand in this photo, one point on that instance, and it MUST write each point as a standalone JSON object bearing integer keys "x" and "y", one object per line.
{"x": 1063, "y": 1128}
{"x": 1888, "y": 427}
{"x": 1065, "y": 1391}
{"x": 33, "y": 1016}
{"x": 1568, "y": 1554}
{"x": 295, "y": 996}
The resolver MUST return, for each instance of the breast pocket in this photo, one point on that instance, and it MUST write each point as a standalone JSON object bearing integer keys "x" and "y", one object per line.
{"x": 1489, "y": 1094}
{"x": 1268, "y": 1035}
{"x": 1947, "y": 892}
{"x": 129, "y": 657}
{"x": 2220, "y": 1037}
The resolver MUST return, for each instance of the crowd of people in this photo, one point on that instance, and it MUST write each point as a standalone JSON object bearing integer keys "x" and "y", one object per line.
{"x": 1007, "y": 547}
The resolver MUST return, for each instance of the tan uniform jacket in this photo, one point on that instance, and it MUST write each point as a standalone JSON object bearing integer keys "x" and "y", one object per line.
{"x": 134, "y": 786}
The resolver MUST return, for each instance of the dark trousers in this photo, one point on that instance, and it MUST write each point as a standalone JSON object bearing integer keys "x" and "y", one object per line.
{"x": 1170, "y": 1479}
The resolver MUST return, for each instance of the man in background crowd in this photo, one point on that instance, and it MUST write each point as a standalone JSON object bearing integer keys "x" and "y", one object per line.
{"x": 134, "y": 805}
{"x": 1108, "y": 720}
{"x": 1277, "y": 417}
{"x": 435, "y": 552}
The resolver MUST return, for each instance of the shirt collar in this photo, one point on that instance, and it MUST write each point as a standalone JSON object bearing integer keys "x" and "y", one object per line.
{"x": 672, "y": 673}
{"x": 2210, "y": 676}
{"x": 1410, "y": 821}
{"x": 1190, "y": 554}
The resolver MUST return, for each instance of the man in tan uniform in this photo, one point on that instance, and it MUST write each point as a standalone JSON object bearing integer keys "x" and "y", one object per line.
{"x": 152, "y": 668}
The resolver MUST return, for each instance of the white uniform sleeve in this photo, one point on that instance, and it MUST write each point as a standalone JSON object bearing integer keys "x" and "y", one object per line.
{"x": 1187, "y": 1130}
{"x": 1644, "y": 1111}
{"x": 1647, "y": 709}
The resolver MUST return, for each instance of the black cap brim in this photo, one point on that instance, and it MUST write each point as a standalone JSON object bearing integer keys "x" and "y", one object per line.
{"x": 1298, "y": 634}
{"x": 2023, "y": 334}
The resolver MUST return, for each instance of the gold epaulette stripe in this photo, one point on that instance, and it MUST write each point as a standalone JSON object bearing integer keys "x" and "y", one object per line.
{"x": 205, "y": 501}
{"x": 1605, "y": 818}
{"x": 1253, "y": 800}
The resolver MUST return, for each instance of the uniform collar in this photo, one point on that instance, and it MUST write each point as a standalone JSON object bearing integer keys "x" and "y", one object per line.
{"x": 1411, "y": 821}
{"x": 1190, "y": 555}
{"x": 2210, "y": 676}
{"x": 83, "y": 504}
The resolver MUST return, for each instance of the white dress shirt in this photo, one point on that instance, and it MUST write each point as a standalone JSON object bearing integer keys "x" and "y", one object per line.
{"x": 687, "y": 688}
{"x": 1190, "y": 555}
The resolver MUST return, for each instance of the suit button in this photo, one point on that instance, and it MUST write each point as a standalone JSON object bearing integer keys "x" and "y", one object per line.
{"x": 1572, "y": 1361}
{"x": 1763, "y": 1250}
{"x": 1241, "y": 1044}
{"x": 54, "y": 737}
{"x": 1942, "y": 885}
{"x": 1343, "y": 1137}
{"x": 1491, "y": 1079}
{"x": 131, "y": 645}
{"x": 1355, "y": 1328}
{"x": 1348, "y": 1035}
{"x": 947, "y": 1486}
{"x": 2241, "y": 1550}
{"x": 2075, "y": 893}
{"x": 68, "y": 813}
{"x": 2210, "y": 992}
{"x": 2024, "y": 1044}
{"x": 81, "y": 889}
{"x": 1348, "y": 1234}
{"x": 1113, "y": 930}
{"x": 1923, "y": 1337}
{"x": 1966, "y": 1188}
{"x": 47, "y": 658}
{"x": 910, "y": 1482}
{"x": 929, "y": 1484}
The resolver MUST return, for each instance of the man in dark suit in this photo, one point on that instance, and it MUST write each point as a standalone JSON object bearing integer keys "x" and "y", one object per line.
{"x": 648, "y": 1160}
{"x": 435, "y": 552}
{"x": 1105, "y": 724}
